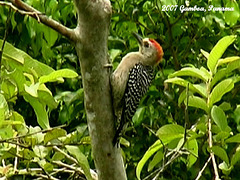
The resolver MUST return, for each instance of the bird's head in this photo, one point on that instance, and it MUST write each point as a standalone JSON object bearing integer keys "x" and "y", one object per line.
{"x": 150, "y": 49}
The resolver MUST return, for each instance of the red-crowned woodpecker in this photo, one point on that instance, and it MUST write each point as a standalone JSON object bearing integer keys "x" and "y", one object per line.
{"x": 131, "y": 80}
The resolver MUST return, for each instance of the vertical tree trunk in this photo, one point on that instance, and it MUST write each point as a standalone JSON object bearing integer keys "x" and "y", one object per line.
{"x": 92, "y": 30}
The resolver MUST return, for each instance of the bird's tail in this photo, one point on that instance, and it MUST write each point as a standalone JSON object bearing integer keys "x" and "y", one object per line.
{"x": 120, "y": 130}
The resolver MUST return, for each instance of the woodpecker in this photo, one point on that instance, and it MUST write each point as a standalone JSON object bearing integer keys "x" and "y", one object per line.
{"x": 131, "y": 80}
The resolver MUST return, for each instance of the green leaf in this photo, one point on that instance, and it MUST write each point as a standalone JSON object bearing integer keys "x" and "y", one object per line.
{"x": 225, "y": 71}
{"x": 155, "y": 160}
{"x": 201, "y": 89}
{"x": 236, "y": 157}
{"x": 54, "y": 76}
{"x": 184, "y": 83}
{"x": 227, "y": 60}
{"x": 218, "y": 76}
{"x": 32, "y": 89}
{"x": 54, "y": 134}
{"x": 12, "y": 53}
{"x": 41, "y": 151}
{"x": 18, "y": 77}
{"x": 234, "y": 139}
{"x": 40, "y": 68}
{"x": 16, "y": 58}
{"x": 231, "y": 17}
{"x": 138, "y": 116}
{"x": 221, "y": 153}
{"x": 225, "y": 106}
{"x": 197, "y": 102}
{"x": 193, "y": 72}
{"x": 50, "y": 35}
{"x": 222, "y": 135}
{"x": 205, "y": 53}
{"x": 114, "y": 53}
{"x": 169, "y": 132}
{"x": 9, "y": 89}
{"x": 219, "y": 90}
{"x": 45, "y": 96}
{"x": 82, "y": 160}
{"x": 219, "y": 117}
{"x": 233, "y": 65}
{"x": 20, "y": 123}
{"x": 226, "y": 169}
{"x": 40, "y": 111}
{"x": 182, "y": 97}
{"x": 192, "y": 147}
{"x": 218, "y": 51}
{"x": 3, "y": 109}
{"x": 151, "y": 150}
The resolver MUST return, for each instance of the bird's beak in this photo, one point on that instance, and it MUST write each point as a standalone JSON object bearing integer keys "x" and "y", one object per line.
{"x": 139, "y": 38}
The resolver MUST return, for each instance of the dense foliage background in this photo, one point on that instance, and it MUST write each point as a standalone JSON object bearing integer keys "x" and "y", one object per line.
{"x": 182, "y": 36}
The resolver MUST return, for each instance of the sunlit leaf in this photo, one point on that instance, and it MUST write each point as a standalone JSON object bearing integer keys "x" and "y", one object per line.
{"x": 192, "y": 72}
{"x": 231, "y": 17}
{"x": 151, "y": 150}
{"x": 82, "y": 160}
{"x": 219, "y": 90}
{"x": 170, "y": 132}
{"x": 155, "y": 160}
{"x": 54, "y": 134}
{"x": 218, "y": 51}
{"x": 227, "y": 60}
{"x": 236, "y": 157}
{"x": 3, "y": 108}
{"x": 184, "y": 83}
{"x": 221, "y": 153}
{"x": 234, "y": 139}
{"x": 197, "y": 102}
{"x": 54, "y": 76}
{"x": 192, "y": 147}
{"x": 40, "y": 111}
{"x": 219, "y": 117}
{"x": 205, "y": 53}
{"x": 32, "y": 89}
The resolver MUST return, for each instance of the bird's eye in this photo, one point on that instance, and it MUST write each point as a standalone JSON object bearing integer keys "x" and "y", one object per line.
{"x": 146, "y": 44}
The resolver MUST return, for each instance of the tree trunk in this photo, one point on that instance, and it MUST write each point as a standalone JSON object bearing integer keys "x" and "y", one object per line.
{"x": 92, "y": 30}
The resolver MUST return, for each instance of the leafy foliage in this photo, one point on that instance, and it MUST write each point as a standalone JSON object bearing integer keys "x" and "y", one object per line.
{"x": 33, "y": 93}
{"x": 207, "y": 102}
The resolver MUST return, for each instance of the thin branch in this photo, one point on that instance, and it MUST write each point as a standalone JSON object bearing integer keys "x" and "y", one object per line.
{"x": 30, "y": 134}
{"x": 93, "y": 173}
{"x": 46, "y": 177}
{"x": 65, "y": 154}
{"x": 76, "y": 169}
{"x": 20, "y": 11}
{"x": 20, "y": 6}
{"x": 16, "y": 159}
{"x": 203, "y": 168}
{"x": 186, "y": 114}
{"x": 210, "y": 146}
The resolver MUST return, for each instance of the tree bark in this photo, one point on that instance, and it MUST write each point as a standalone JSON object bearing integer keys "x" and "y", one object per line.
{"x": 92, "y": 30}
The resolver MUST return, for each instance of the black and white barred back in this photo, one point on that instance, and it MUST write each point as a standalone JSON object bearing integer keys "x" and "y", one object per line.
{"x": 140, "y": 78}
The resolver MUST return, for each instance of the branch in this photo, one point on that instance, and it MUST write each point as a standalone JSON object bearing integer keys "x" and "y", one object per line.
{"x": 8, "y": 140}
{"x": 210, "y": 146}
{"x": 205, "y": 165}
{"x": 25, "y": 9}
{"x": 93, "y": 173}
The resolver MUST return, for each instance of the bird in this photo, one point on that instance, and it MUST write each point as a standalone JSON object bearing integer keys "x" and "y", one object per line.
{"x": 131, "y": 80}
